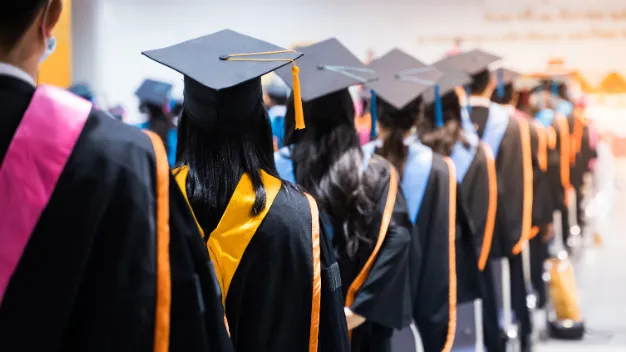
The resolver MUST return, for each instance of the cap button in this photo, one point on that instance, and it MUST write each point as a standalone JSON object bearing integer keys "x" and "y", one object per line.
{"x": 224, "y": 57}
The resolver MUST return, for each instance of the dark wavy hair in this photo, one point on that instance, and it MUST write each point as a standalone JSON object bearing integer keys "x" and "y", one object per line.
{"x": 328, "y": 163}
{"x": 217, "y": 155}
{"x": 442, "y": 140}
{"x": 397, "y": 123}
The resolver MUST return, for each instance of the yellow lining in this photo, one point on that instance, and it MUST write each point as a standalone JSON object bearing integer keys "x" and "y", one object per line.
{"x": 163, "y": 269}
{"x": 491, "y": 208}
{"x": 527, "y": 210}
{"x": 382, "y": 233}
{"x": 452, "y": 292}
{"x": 316, "y": 299}
{"x": 228, "y": 242}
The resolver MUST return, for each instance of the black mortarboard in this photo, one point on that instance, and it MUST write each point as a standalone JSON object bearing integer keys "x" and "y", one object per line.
{"x": 402, "y": 78}
{"x": 472, "y": 62}
{"x": 222, "y": 74}
{"x": 327, "y": 67}
{"x": 450, "y": 80}
{"x": 82, "y": 90}
{"x": 154, "y": 92}
{"x": 509, "y": 76}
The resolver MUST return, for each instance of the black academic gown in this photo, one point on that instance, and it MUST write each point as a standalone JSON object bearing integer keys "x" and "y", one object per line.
{"x": 431, "y": 305}
{"x": 86, "y": 280}
{"x": 474, "y": 219}
{"x": 268, "y": 302}
{"x": 510, "y": 211}
{"x": 384, "y": 298}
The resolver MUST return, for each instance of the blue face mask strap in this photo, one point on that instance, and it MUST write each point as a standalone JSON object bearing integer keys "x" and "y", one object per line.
{"x": 374, "y": 114}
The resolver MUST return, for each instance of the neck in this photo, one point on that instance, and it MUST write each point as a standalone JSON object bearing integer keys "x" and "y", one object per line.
{"x": 31, "y": 67}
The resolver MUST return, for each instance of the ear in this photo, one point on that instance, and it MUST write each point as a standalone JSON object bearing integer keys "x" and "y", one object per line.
{"x": 53, "y": 16}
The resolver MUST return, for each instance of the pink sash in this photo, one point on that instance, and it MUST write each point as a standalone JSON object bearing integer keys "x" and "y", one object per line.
{"x": 32, "y": 166}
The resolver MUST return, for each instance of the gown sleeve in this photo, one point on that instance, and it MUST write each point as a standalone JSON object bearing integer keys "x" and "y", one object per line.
{"x": 385, "y": 295}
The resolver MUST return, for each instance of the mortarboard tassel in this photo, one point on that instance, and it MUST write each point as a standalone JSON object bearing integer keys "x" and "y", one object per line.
{"x": 500, "y": 86}
{"x": 438, "y": 108}
{"x": 297, "y": 98}
{"x": 374, "y": 115}
{"x": 295, "y": 71}
{"x": 555, "y": 88}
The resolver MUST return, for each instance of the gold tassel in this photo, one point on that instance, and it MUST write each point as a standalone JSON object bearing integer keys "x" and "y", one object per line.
{"x": 297, "y": 98}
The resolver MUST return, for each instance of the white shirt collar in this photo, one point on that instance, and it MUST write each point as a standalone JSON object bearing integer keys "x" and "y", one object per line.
{"x": 16, "y": 72}
{"x": 510, "y": 109}
{"x": 475, "y": 100}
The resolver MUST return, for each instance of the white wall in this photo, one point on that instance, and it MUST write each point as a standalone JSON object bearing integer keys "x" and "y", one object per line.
{"x": 109, "y": 35}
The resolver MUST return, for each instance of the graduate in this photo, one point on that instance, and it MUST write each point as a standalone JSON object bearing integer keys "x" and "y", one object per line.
{"x": 275, "y": 99}
{"x": 509, "y": 141}
{"x": 83, "y": 90}
{"x": 155, "y": 104}
{"x": 441, "y": 128}
{"x": 429, "y": 184}
{"x": 542, "y": 203}
{"x": 365, "y": 214}
{"x": 280, "y": 284}
{"x": 98, "y": 249}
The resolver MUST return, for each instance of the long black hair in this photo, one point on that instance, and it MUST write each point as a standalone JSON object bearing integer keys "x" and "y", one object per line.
{"x": 217, "y": 155}
{"x": 328, "y": 163}
{"x": 442, "y": 140}
{"x": 397, "y": 123}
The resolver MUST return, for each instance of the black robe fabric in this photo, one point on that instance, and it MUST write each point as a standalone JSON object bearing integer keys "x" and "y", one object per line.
{"x": 87, "y": 278}
{"x": 509, "y": 166}
{"x": 384, "y": 299}
{"x": 268, "y": 305}
{"x": 543, "y": 203}
{"x": 557, "y": 188}
{"x": 472, "y": 210}
{"x": 431, "y": 299}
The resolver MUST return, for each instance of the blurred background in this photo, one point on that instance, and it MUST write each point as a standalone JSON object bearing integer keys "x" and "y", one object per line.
{"x": 100, "y": 44}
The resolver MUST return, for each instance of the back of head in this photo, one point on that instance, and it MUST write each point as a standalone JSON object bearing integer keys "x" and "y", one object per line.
{"x": 481, "y": 82}
{"x": 159, "y": 122}
{"x": 395, "y": 125}
{"x": 442, "y": 140}
{"x": 507, "y": 98}
{"x": 219, "y": 151}
{"x": 15, "y": 19}
{"x": 328, "y": 161}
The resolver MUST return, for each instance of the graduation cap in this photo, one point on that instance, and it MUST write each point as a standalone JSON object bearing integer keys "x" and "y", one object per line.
{"x": 154, "y": 92}
{"x": 450, "y": 80}
{"x": 328, "y": 67}
{"x": 509, "y": 76}
{"x": 402, "y": 79}
{"x": 83, "y": 90}
{"x": 472, "y": 62}
{"x": 222, "y": 74}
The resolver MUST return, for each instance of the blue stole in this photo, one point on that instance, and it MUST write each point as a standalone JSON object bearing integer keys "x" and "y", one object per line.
{"x": 545, "y": 117}
{"x": 416, "y": 173}
{"x": 463, "y": 156}
{"x": 565, "y": 107}
{"x": 497, "y": 122}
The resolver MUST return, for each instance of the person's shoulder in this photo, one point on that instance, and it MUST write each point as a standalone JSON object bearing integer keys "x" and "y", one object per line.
{"x": 106, "y": 141}
{"x": 442, "y": 166}
{"x": 290, "y": 215}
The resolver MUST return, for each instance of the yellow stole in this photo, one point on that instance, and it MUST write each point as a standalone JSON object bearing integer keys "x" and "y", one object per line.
{"x": 231, "y": 237}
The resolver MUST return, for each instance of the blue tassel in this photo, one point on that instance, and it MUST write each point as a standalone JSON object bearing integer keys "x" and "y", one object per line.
{"x": 468, "y": 94}
{"x": 555, "y": 88}
{"x": 374, "y": 114}
{"x": 438, "y": 108}
{"x": 500, "y": 87}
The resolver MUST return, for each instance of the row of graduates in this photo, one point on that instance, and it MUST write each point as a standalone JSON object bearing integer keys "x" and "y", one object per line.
{"x": 324, "y": 246}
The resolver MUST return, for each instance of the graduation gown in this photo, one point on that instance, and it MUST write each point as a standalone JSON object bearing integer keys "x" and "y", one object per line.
{"x": 429, "y": 185}
{"x": 509, "y": 142}
{"x": 476, "y": 207}
{"x": 376, "y": 281}
{"x": 88, "y": 275}
{"x": 280, "y": 282}
{"x": 543, "y": 204}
